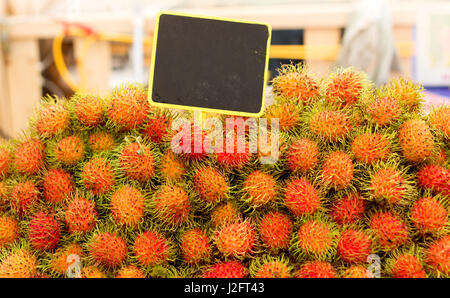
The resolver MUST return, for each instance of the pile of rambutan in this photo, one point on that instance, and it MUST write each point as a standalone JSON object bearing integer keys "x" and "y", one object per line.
{"x": 360, "y": 188}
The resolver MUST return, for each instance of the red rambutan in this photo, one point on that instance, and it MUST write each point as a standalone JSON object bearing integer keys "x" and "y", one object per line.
{"x": 390, "y": 231}
{"x": 127, "y": 206}
{"x": 137, "y": 162}
{"x": 231, "y": 269}
{"x": 80, "y": 215}
{"x": 348, "y": 209}
{"x": 337, "y": 170}
{"x": 57, "y": 185}
{"x": 108, "y": 249}
{"x": 151, "y": 248}
{"x": 301, "y": 197}
{"x": 171, "y": 205}
{"x": 236, "y": 240}
{"x": 428, "y": 215}
{"x": 23, "y": 195}
{"x": 354, "y": 246}
{"x": 275, "y": 230}
{"x": 44, "y": 231}
{"x": 437, "y": 257}
{"x": 29, "y": 156}
{"x": 195, "y": 246}
{"x": 98, "y": 176}
{"x": 434, "y": 177}
{"x": 303, "y": 155}
{"x": 316, "y": 269}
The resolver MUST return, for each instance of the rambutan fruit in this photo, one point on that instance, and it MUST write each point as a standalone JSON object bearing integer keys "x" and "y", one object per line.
{"x": 357, "y": 271}
{"x": 237, "y": 158}
{"x": 44, "y": 231}
{"x": 108, "y": 249}
{"x": 171, "y": 205}
{"x": 270, "y": 267}
{"x": 5, "y": 161}
{"x": 53, "y": 118}
{"x": 230, "y": 269}
{"x": 302, "y": 155}
{"x": 225, "y": 214}
{"x": 259, "y": 188}
{"x": 428, "y": 215}
{"x": 345, "y": 87}
{"x": 130, "y": 271}
{"x": 316, "y": 238}
{"x": 57, "y": 185}
{"x": 236, "y": 240}
{"x": 438, "y": 120}
{"x": 435, "y": 178}
{"x": 337, "y": 170}
{"x": 92, "y": 272}
{"x": 300, "y": 197}
{"x": 9, "y": 230}
{"x": 127, "y": 206}
{"x": 370, "y": 147}
{"x": 60, "y": 261}
{"x": 210, "y": 184}
{"x": 69, "y": 150}
{"x": 275, "y": 230}
{"x": 416, "y": 140}
{"x": 101, "y": 141}
{"x": 98, "y": 176}
{"x": 383, "y": 110}
{"x": 330, "y": 125}
{"x": 80, "y": 215}
{"x": 152, "y": 248}
{"x": 390, "y": 231}
{"x": 128, "y": 107}
{"x": 437, "y": 257}
{"x": 354, "y": 246}
{"x": 29, "y": 156}
{"x": 137, "y": 162}
{"x": 19, "y": 264}
{"x": 388, "y": 185}
{"x": 23, "y": 196}
{"x": 406, "y": 265}
{"x": 171, "y": 168}
{"x": 295, "y": 84}
{"x": 88, "y": 109}
{"x": 348, "y": 209}
{"x": 191, "y": 142}
{"x": 195, "y": 247}
{"x": 158, "y": 127}
{"x": 287, "y": 114}
{"x": 316, "y": 269}
{"x": 407, "y": 92}
{"x": 4, "y": 195}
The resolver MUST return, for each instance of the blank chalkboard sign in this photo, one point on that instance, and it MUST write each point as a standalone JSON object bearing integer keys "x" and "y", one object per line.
{"x": 209, "y": 64}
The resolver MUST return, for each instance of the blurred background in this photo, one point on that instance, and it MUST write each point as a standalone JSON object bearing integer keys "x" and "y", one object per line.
{"x": 60, "y": 46}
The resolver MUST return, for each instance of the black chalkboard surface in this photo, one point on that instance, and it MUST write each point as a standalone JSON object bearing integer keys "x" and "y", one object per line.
{"x": 209, "y": 64}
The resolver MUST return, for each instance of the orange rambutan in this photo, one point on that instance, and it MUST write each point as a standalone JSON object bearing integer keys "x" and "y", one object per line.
{"x": 438, "y": 120}
{"x": 416, "y": 140}
{"x": 210, "y": 184}
{"x": 230, "y": 269}
{"x": 53, "y": 118}
{"x": 19, "y": 264}
{"x": 101, "y": 141}
{"x": 330, "y": 126}
{"x": 300, "y": 197}
{"x": 57, "y": 185}
{"x": 151, "y": 248}
{"x": 80, "y": 215}
{"x": 88, "y": 110}
{"x": 303, "y": 155}
{"x": 370, "y": 147}
{"x": 357, "y": 271}
{"x": 345, "y": 87}
{"x": 29, "y": 156}
{"x": 171, "y": 205}
{"x": 269, "y": 267}
{"x": 437, "y": 257}
{"x": 316, "y": 269}
{"x": 69, "y": 150}
{"x": 387, "y": 184}
{"x": 23, "y": 196}
{"x": 9, "y": 230}
{"x": 428, "y": 215}
{"x": 407, "y": 266}
{"x": 92, "y": 272}
{"x": 225, "y": 214}
{"x": 337, "y": 170}
{"x": 61, "y": 260}
{"x": 259, "y": 189}
{"x": 195, "y": 247}
{"x": 236, "y": 240}
{"x": 384, "y": 110}
{"x": 98, "y": 176}
{"x": 171, "y": 168}
{"x": 390, "y": 231}
{"x": 127, "y": 206}
{"x": 130, "y": 271}
{"x": 287, "y": 114}
{"x": 275, "y": 230}
{"x": 108, "y": 249}
{"x": 137, "y": 162}
{"x": 407, "y": 92}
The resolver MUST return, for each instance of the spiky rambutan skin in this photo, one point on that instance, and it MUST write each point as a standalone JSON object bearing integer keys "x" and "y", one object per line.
{"x": 29, "y": 156}
{"x": 210, "y": 184}
{"x": 259, "y": 189}
{"x": 390, "y": 231}
{"x": 57, "y": 185}
{"x": 171, "y": 205}
{"x": 384, "y": 110}
{"x": 337, "y": 170}
{"x": 89, "y": 110}
{"x": 5, "y": 161}
{"x": 316, "y": 239}
{"x": 231, "y": 269}
{"x": 438, "y": 119}
{"x": 171, "y": 168}
{"x": 275, "y": 230}
{"x": 19, "y": 264}
{"x": 52, "y": 120}
{"x": 416, "y": 140}
{"x": 407, "y": 266}
{"x": 357, "y": 271}
{"x": 128, "y": 108}
{"x": 225, "y": 214}
{"x": 137, "y": 162}
{"x": 348, "y": 209}
{"x": 428, "y": 215}
{"x": 238, "y": 157}
{"x": 9, "y": 230}
{"x": 345, "y": 88}
{"x": 434, "y": 177}
{"x": 92, "y": 272}
{"x": 69, "y": 150}
{"x": 271, "y": 268}
{"x": 60, "y": 261}
{"x": 387, "y": 185}
{"x": 303, "y": 155}
{"x": 330, "y": 125}
{"x": 98, "y": 176}
{"x": 127, "y": 206}
{"x": 370, "y": 147}
{"x": 195, "y": 247}
{"x": 130, "y": 271}
{"x": 301, "y": 197}
{"x": 191, "y": 142}
{"x": 354, "y": 246}
{"x": 101, "y": 141}
{"x": 316, "y": 269}
{"x": 44, "y": 231}
{"x": 80, "y": 215}
{"x": 23, "y": 196}
{"x": 236, "y": 240}
{"x": 437, "y": 257}
{"x": 151, "y": 248}
{"x": 295, "y": 84}
{"x": 407, "y": 92}
{"x": 287, "y": 114}
{"x": 108, "y": 249}
{"x": 157, "y": 128}
{"x": 4, "y": 195}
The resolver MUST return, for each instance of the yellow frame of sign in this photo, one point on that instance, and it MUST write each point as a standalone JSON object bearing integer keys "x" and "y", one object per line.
{"x": 209, "y": 110}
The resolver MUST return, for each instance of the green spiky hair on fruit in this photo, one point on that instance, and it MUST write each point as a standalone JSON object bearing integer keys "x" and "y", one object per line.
{"x": 406, "y": 263}
{"x": 271, "y": 267}
{"x": 409, "y": 93}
